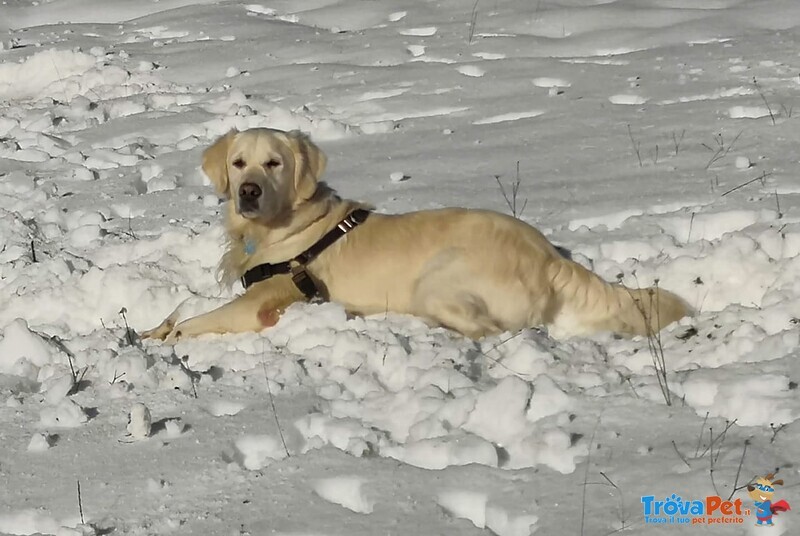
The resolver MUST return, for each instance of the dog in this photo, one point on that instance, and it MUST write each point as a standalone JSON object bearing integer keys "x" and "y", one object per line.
{"x": 476, "y": 272}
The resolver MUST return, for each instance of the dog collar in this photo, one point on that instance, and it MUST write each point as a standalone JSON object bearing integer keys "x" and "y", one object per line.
{"x": 296, "y": 266}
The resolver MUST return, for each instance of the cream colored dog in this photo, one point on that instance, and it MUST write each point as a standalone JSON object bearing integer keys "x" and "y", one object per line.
{"x": 473, "y": 271}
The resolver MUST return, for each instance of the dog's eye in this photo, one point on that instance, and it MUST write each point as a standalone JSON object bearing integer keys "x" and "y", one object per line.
{"x": 238, "y": 163}
{"x": 271, "y": 164}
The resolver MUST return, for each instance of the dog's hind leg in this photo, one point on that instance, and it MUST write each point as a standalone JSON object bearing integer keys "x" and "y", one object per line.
{"x": 464, "y": 312}
{"x": 440, "y": 297}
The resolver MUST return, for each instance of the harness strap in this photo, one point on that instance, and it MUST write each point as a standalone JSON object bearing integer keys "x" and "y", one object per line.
{"x": 263, "y": 272}
{"x": 296, "y": 266}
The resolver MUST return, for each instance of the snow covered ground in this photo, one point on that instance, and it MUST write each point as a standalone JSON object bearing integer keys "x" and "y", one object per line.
{"x": 655, "y": 139}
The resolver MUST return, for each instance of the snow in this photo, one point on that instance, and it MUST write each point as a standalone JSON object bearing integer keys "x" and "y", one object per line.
{"x": 742, "y": 162}
{"x": 346, "y": 491}
{"x": 646, "y": 149}
{"x": 49, "y": 72}
{"x": 398, "y": 176}
{"x": 254, "y": 452}
{"x": 139, "y": 422}
{"x": 39, "y": 443}
{"x": 20, "y": 343}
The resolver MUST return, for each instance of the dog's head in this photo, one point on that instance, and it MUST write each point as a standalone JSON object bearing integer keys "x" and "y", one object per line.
{"x": 265, "y": 172}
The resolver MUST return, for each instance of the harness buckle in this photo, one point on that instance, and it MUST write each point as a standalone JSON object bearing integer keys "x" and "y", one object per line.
{"x": 303, "y": 282}
{"x": 359, "y": 216}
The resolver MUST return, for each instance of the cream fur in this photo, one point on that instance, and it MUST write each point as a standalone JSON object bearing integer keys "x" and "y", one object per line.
{"x": 477, "y": 272}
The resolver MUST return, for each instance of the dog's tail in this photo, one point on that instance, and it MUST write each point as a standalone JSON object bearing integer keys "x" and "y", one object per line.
{"x": 585, "y": 303}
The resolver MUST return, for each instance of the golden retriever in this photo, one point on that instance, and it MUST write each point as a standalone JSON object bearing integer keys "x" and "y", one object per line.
{"x": 474, "y": 271}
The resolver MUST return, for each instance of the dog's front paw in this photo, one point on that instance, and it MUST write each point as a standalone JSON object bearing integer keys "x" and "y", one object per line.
{"x": 161, "y": 332}
{"x": 175, "y": 335}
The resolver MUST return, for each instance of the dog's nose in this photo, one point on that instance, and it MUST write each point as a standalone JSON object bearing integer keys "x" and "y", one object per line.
{"x": 249, "y": 190}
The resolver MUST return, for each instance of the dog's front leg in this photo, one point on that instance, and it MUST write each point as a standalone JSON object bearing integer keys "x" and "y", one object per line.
{"x": 258, "y": 308}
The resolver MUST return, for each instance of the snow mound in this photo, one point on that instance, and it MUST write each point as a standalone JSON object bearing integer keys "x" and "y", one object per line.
{"x": 50, "y": 72}
{"x": 255, "y": 452}
{"x": 477, "y": 508}
{"x": 20, "y": 343}
{"x": 346, "y": 491}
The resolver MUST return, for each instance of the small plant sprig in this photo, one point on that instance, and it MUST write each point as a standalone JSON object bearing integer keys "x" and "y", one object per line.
{"x": 511, "y": 199}
{"x": 473, "y": 20}
{"x": 721, "y": 149}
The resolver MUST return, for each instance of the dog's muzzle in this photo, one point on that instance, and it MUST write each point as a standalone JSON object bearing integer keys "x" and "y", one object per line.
{"x": 249, "y": 197}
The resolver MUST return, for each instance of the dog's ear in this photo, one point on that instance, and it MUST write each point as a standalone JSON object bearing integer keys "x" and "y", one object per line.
{"x": 778, "y": 482}
{"x": 309, "y": 164}
{"x": 215, "y": 163}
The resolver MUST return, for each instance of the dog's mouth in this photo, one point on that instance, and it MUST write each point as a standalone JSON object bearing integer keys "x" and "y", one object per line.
{"x": 248, "y": 209}
{"x": 264, "y": 209}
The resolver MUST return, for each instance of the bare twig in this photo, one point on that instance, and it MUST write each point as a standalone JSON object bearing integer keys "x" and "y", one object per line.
{"x": 680, "y": 455}
{"x": 272, "y": 403}
{"x": 623, "y": 518}
{"x": 495, "y": 347}
{"x": 700, "y": 437}
{"x": 739, "y": 470}
{"x": 654, "y": 343}
{"x": 763, "y": 98}
{"x": 116, "y": 378}
{"x": 586, "y": 476}
{"x": 711, "y": 474}
{"x": 194, "y": 377}
{"x": 721, "y": 150}
{"x": 636, "y": 146}
{"x": 775, "y": 430}
{"x": 676, "y": 140}
{"x": 720, "y": 438}
{"x": 80, "y": 502}
{"x": 473, "y": 21}
{"x": 627, "y": 378}
{"x": 77, "y": 375}
{"x": 511, "y": 200}
{"x": 712, "y": 458}
{"x": 128, "y": 331}
{"x": 761, "y": 178}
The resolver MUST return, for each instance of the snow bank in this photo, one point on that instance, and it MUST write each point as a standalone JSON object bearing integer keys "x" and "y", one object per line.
{"x": 55, "y": 73}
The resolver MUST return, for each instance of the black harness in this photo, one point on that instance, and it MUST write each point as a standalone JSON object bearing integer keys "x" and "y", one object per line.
{"x": 297, "y": 265}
